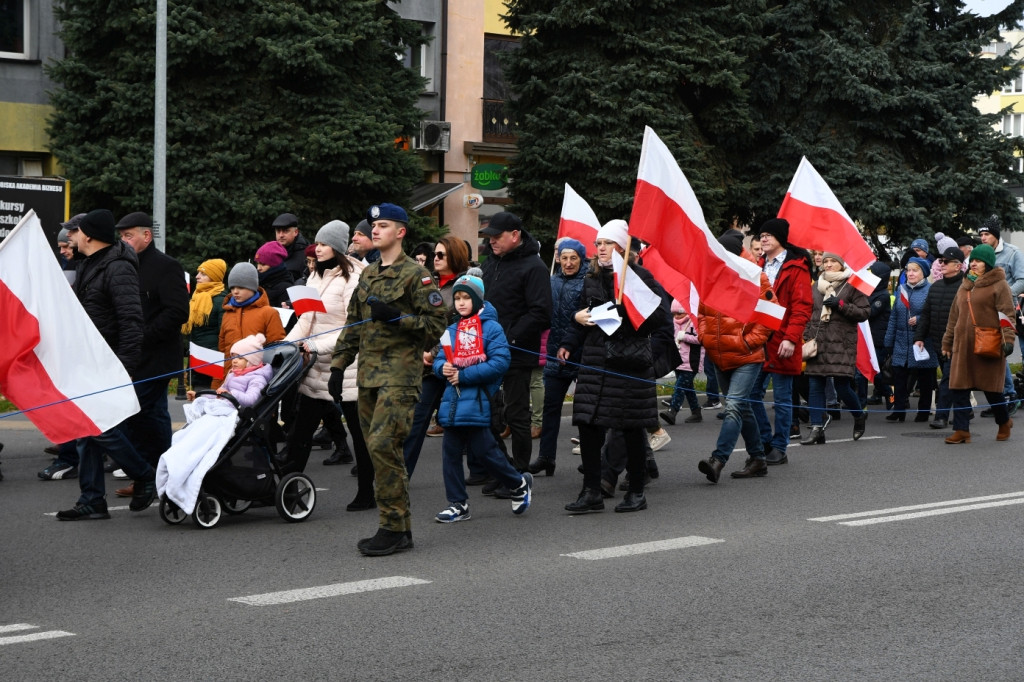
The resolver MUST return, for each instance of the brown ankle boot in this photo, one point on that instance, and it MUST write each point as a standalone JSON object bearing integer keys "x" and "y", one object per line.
{"x": 1004, "y": 430}
{"x": 959, "y": 437}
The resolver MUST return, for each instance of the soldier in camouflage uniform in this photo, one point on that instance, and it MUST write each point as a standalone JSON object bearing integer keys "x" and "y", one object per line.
{"x": 395, "y": 314}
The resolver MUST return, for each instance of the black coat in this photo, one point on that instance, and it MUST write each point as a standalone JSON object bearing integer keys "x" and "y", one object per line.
{"x": 295, "y": 263}
{"x": 275, "y": 282}
{"x": 931, "y": 323}
{"x": 517, "y": 284}
{"x": 164, "y": 309}
{"x": 610, "y": 399}
{"x": 107, "y": 285}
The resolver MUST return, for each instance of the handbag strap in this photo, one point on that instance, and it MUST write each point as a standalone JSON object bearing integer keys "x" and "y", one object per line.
{"x": 971, "y": 308}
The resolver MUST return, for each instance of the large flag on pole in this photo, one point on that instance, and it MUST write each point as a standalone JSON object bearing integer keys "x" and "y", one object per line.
{"x": 818, "y": 221}
{"x": 638, "y": 298}
{"x": 678, "y": 286}
{"x": 666, "y": 215}
{"x": 578, "y": 220}
{"x": 52, "y": 357}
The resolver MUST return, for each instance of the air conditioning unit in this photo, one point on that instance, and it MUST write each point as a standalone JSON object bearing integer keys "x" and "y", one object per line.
{"x": 435, "y": 136}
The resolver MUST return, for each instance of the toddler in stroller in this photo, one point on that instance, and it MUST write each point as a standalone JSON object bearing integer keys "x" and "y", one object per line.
{"x": 228, "y": 465}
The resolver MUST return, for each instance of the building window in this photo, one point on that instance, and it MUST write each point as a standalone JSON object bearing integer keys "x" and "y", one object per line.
{"x": 1012, "y": 125}
{"x": 421, "y": 59}
{"x": 1016, "y": 86}
{"x": 14, "y": 29}
{"x": 499, "y": 123}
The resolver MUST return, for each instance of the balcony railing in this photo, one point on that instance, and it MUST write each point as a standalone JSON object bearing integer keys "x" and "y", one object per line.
{"x": 499, "y": 123}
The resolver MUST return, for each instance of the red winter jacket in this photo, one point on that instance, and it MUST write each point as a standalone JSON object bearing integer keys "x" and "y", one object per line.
{"x": 792, "y": 291}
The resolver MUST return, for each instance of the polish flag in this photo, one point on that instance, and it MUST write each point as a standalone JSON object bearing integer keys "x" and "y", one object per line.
{"x": 205, "y": 360}
{"x": 305, "y": 299}
{"x": 818, "y": 221}
{"x": 867, "y": 360}
{"x": 638, "y": 298}
{"x": 1005, "y": 321}
{"x": 667, "y": 216}
{"x": 54, "y": 365}
{"x": 578, "y": 220}
{"x": 905, "y": 297}
{"x": 678, "y": 286}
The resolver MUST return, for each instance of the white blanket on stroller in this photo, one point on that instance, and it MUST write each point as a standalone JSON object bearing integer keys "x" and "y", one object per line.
{"x": 194, "y": 450}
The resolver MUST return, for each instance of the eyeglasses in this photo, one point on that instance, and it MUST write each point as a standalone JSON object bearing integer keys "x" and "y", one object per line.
{"x": 947, "y": 261}
{"x": 439, "y": 255}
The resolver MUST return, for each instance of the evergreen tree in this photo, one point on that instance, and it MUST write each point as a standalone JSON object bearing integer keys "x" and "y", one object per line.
{"x": 273, "y": 106}
{"x": 591, "y": 74}
{"x": 879, "y": 96}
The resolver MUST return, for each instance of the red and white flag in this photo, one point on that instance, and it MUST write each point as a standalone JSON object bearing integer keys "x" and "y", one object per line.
{"x": 638, "y": 298}
{"x": 578, "y": 220}
{"x": 818, "y": 221}
{"x": 54, "y": 365}
{"x": 904, "y": 297}
{"x": 678, "y": 286}
{"x": 205, "y": 360}
{"x": 1005, "y": 321}
{"x": 305, "y": 300}
{"x": 867, "y": 360}
{"x": 666, "y": 215}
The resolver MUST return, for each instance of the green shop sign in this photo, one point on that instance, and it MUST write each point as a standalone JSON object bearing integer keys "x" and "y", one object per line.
{"x": 489, "y": 176}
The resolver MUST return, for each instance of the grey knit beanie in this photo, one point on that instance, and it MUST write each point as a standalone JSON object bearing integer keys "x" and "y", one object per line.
{"x": 335, "y": 235}
{"x": 244, "y": 275}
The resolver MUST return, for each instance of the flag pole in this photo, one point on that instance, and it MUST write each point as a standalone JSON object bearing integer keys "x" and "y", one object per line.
{"x": 625, "y": 269}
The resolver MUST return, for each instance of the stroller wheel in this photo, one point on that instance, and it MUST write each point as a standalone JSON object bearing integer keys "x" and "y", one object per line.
{"x": 234, "y": 506}
{"x": 170, "y": 512}
{"x": 295, "y": 497}
{"x": 207, "y": 512}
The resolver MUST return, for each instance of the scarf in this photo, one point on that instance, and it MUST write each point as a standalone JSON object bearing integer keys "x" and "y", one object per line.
{"x": 201, "y": 305}
{"x": 445, "y": 279}
{"x": 272, "y": 272}
{"x": 248, "y": 368}
{"x": 827, "y": 286}
{"x": 469, "y": 342}
{"x": 323, "y": 266}
{"x": 971, "y": 276}
{"x": 235, "y": 304}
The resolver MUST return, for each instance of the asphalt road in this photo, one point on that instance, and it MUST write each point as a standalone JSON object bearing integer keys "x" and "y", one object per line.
{"x": 752, "y": 580}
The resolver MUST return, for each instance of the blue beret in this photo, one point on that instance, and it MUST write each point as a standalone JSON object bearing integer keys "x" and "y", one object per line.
{"x": 387, "y": 212}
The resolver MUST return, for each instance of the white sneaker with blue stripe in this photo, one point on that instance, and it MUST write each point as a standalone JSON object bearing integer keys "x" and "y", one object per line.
{"x": 456, "y": 512}
{"x": 523, "y": 495}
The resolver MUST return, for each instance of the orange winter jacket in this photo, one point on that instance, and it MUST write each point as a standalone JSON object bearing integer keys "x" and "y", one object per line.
{"x": 727, "y": 341}
{"x": 238, "y": 323}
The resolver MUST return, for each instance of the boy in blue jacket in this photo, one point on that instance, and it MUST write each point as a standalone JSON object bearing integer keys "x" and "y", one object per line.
{"x": 481, "y": 357}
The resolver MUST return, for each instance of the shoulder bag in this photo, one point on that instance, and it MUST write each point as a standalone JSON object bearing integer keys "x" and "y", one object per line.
{"x": 988, "y": 341}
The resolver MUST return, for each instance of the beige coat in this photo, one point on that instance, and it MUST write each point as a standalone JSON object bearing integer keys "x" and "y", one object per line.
{"x": 990, "y": 295}
{"x": 324, "y": 328}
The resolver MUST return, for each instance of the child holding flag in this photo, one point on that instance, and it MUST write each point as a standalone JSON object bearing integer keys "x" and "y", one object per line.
{"x": 473, "y": 366}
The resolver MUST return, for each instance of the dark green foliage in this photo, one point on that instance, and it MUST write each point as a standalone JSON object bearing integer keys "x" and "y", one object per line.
{"x": 273, "y": 106}
{"x": 590, "y": 75}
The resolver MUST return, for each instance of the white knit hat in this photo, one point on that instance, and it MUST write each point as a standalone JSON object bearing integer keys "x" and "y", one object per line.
{"x": 616, "y": 231}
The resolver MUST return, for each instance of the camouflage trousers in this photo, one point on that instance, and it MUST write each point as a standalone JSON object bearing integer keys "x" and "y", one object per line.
{"x": 385, "y": 415}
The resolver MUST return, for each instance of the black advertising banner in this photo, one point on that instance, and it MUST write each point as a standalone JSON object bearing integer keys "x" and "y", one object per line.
{"x": 48, "y": 197}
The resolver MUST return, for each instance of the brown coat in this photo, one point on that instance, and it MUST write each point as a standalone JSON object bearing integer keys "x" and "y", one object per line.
{"x": 239, "y": 323}
{"x": 990, "y": 295}
{"x": 837, "y": 338}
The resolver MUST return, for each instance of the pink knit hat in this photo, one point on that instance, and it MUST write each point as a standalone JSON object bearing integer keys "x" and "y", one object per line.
{"x": 272, "y": 254}
{"x": 250, "y": 348}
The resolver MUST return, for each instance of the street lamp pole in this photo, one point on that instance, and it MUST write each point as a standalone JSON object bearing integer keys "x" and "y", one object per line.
{"x": 160, "y": 129}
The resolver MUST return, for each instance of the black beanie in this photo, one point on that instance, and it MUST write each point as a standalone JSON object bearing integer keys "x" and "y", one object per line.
{"x": 778, "y": 228}
{"x": 99, "y": 225}
{"x": 732, "y": 240}
{"x": 991, "y": 224}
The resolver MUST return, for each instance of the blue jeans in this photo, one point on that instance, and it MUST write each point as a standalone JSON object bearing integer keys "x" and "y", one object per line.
{"x": 711, "y": 393}
{"x": 943, "y": 396}
{"x": 816, "y": 397}
{"x": 430, "y": 398}
{"x": 555, "y": 388}
{"x": 782, "y": 385}
{"x": 150, "y": 428}
{"x": 684, "y": 390}
{"x": 90, "y": 464}
{"x": 1008, "y": 389}
{"x": 480, "y": 440}
{"x": 739, "y": 416}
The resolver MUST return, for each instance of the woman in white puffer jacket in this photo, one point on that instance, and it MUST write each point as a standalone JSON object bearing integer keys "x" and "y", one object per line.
{"x": 335, "y": 278}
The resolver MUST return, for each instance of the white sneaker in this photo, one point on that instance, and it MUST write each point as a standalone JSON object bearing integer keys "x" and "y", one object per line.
{"x": 456, "y": 512}
{"x": 576, "y": 449}
{"x": 119, "y": 473}
{"x": 659, "y": 440}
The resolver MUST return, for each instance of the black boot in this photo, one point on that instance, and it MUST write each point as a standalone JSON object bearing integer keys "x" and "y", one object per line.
{"x": 815, "y": 437}
{"x": 632, "y": 502}
{"x": 541, "y": 464}
{"x": 711, "y": 467}
{"x": 588, "y": 501}
{"x": 669, "y": 416}
{"x": 322, "y": 438}
{"x": 341, "y": 455}
{"x": 753, "y": 468}
{"x": 385, "y": 542}
{"x": 859, "y": 423}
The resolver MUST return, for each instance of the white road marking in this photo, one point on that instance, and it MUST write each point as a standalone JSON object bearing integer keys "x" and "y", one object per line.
{"x": 109, "y": 509}
{"x": 932, "y": 512}
{"x": 916, "y": 507}
{"x": 324, "y": 591}
{"x": 643, "y": 548}
{"x": 35, "y": 636}
{"x": 796, "y": 444}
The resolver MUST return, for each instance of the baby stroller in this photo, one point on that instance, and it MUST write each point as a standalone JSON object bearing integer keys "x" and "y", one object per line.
{"x": 246, "y": 471}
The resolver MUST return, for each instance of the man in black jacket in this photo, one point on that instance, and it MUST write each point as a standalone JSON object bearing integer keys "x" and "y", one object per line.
{"x": 286, "y": 231}
{"x": 107, "y": 285}
{"x": 931, "y": 324}
{"x": 164, "y": 297}
{"x": 517, "y": 284}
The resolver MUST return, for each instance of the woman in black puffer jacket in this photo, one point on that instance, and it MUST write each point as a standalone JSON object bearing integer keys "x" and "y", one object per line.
{"x": 611, "y": 395}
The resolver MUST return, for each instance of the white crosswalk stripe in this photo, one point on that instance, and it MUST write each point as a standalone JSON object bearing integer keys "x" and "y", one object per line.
{"x": 324, "y": 591}
{"x": 919, "y": 511}
{"x": 32, "y": 637}
{"x": 643, "y": 548}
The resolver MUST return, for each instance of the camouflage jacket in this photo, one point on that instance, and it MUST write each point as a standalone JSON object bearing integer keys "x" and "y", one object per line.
{"x": 391, "y": 353}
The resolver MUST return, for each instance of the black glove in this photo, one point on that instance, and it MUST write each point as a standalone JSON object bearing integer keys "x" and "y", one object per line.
{"x": 831, "y": 302}
{"x": 1007, "y": 349}
{"x": 382, "y": 312}
{"x": 336, "y": 384}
